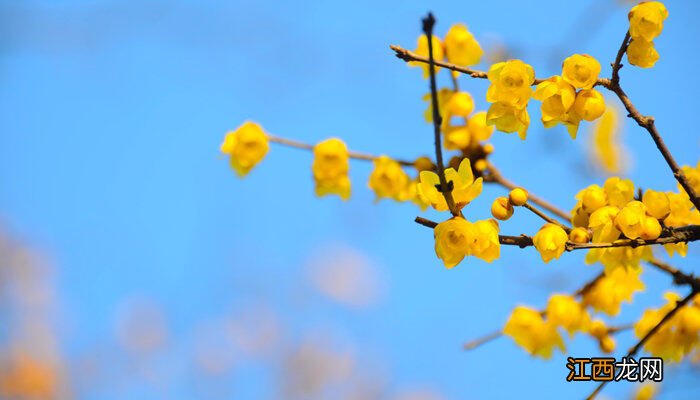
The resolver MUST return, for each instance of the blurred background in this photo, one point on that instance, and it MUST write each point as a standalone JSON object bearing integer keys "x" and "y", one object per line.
{"x": 134, "y": 264}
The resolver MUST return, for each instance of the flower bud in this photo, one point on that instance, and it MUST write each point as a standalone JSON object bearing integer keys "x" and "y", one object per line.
{"x": 579, "y": 235}
{"x": 517, "y": 196}
{"x": 501, "y": 208}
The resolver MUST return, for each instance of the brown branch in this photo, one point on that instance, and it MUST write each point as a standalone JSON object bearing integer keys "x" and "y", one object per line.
{"x": 679, "y": 277}
{"x": 352, "y": 154}
{"x": 632, "y": 351}
{"x": 495, "y": 176}
{"x": 445, "y": 189}
{"x": 646, "y": 122}
{"x": 545, "y": 217}
{"x": 688, "y": 233}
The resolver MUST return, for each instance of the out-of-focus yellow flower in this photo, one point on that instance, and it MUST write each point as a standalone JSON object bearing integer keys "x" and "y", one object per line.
{"x": 23, "y": 377}
{"x": 486, "y": 245}
{"x": 642, "y": 53}
{"x": 410, "y": 193}
{"x": 657, "y": 204}
{"x": 608, "y": 293}
{"x": 510, "y": 83}
{"x": 461, "y": 47}
{"x": 246, "y": 146}
{"x": 645, "y": 391}
{"x": 330, "y": 168}
{"x": 550, "y": 241}
{"x": 460, "y": 104}
{"x": 589, "y": 104}
{"x": 531, "y": 332}
{"x": 465, "y": 187}
{"x": 627, "y": 258}
{"x": 630, "y": 219}
{"x": 693, "y": 177}
{"x": 606, "y": 150}
{"x": 647, "y": 20}
{"x": 422, "y": 50}
{"x": 602, "y": 221}
{"x": 457, "y": 137}
{"x": 501, "y": 208}
{"x": 509, "y": 119}
{"x": 478, "y": 128}
{"x": 600, "y": 331}
{"x": 592, "y": 198}
{"x": 579, "y": 235}
{"x": 557, "y": 97}
{"x": 444, "y": 95}
{"x": 453, "y": 239}
{"x": 581, "y": 71}
{"x": 677, "y": 337}
{"x": 619, "y": 191}
{"x": 388, "y": 179}
{"x": 676, "y": 248}
{"x": 563, "y": 310}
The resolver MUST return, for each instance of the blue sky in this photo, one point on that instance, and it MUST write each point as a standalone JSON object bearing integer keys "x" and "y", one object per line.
{"x": 111, "y": 115}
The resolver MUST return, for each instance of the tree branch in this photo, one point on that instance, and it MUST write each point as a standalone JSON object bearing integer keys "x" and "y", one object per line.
{"x": 445, "y": 189}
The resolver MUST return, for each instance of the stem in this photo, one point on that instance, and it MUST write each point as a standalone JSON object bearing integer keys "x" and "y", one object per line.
{"x": 545, "y": 217}
{"x": 445, "y": 189}
{"x": 352, "y": 154}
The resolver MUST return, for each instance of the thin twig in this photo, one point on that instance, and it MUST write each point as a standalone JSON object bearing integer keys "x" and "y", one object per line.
{"x": 545, "y": 217}
{"x": 679, "y": 277}
{"x": 445, "y": 189}
{"x": 632, "y": 351}
{"x": 352, "y": 154}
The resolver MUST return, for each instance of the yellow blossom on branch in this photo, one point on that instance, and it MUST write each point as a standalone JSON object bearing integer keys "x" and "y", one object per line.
{"x": 608, "y": 293}
{"x": 563, "y": 310}
{"x": 478, "y": 128}
{"x": 647, "y": 20}
{"x": 422, "y": 50}
{"x": 246, "y": 146}
{"x": 388, "y": 179}
{"x": 618, "y": 191}
{"x": 486, "y": 245}
{"x": 330, "y": 168}
{"x": 557, "y": 97}
{"x": 589, "y": 104}
{"x": 531, "y": 332}
{"x": 465, "y": 187}
{"x": 507, "y": 118}
{"x": 510, "y": 83}
{"x": 550, "y": 241}
{"x": 642, "y": 53}
{"x": 581, "y": 71}
{"x": 452, "y": 240}
{"x": 461, "y": 47}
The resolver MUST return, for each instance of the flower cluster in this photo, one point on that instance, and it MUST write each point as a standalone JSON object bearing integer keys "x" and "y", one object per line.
{"x": 460, "y": 48}
{"x": 679, "y": 336}
{"x": 509, "y": 94}
{"x": 646, "y": 23}
{"x": 457, "y": 238}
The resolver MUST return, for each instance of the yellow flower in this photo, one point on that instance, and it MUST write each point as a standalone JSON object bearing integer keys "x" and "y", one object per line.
{"x": 642, "y": 53}
{"x": 246, "y": 146}
{"x": 579, "y": 216}
{"x": 619, "y": 191}
{"x": 501, "y": 208}
{"x": 550, "y": 241}
{"x": 509, "y": 118}
{"x": 388, "y": 179}
{"x": 608, "y": 293}
{"x": 565, "y": 311}
{"x": 531, "y": 332}
{"x": 581, "y": 71}
{"x": 422, "y": 50}
{"x": 457, "y": 137}
{"x": 651, "y": 228}
{"x": 465, "y": 188}
{"x": 330, "y": 168}
{"x": 589, "y": 104}
{"x": 518, "y": 196}
{"x": 478, "y": 128}
{"x": 592, "y": 198}
{"x": 627, "y": 258}
{"x": 460, "y": 46}
{"x": 460, "y": 104}
{"x": 647, "y": 20}
{"x": 606, "y": 149}
{"x": 510, "y": 83}
{"x": 486, "y": 245}
{"x": 602, "y": 221}
{"x": 557, "y": 97}
{"x": 693, "y": 177}
{"x": 678, "y": 336}
{"x": 657, "y": 204}
{"x": 682, "y": 211}
{"x": 452, "y": 240}
{"x": 630, "y": 219}
{"x": 410, "y": 193}
{"x": 444, "y": 96}
{"x": 676, "y": 248}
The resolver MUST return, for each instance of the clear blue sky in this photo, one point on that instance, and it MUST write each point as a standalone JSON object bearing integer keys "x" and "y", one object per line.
{"x": 111, "y": 113}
